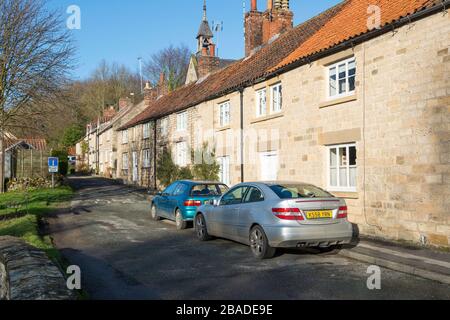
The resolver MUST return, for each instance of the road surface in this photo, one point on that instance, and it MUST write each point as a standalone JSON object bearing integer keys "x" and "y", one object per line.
{"x": 123, "y": 254}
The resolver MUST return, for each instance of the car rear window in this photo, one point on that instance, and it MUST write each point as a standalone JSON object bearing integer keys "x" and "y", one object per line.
{"x": 297, "y": 191}
{"x": 208, "y": 190}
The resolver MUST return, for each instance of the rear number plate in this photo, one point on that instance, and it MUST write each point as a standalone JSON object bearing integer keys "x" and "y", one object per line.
{"x": 313, "y": 215}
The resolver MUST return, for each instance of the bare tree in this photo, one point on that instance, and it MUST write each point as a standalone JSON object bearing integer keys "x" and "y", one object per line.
{"x": 173, "y": 62}
{"x": 35, "y": 58}
{"x": 81, "y": 102}
{"x": 107, "y": 84}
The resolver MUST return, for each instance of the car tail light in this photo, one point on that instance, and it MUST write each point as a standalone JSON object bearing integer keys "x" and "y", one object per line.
{"x": 192, "y": 203}
{"x": 343, "y": 213}
{"x": 288, "y": 213}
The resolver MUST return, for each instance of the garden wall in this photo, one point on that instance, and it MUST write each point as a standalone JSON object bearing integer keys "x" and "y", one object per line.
{"x": 26, "y": 273}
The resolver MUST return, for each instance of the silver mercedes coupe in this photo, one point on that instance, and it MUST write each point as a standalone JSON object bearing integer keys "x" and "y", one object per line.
{"x": 271, "y": 215}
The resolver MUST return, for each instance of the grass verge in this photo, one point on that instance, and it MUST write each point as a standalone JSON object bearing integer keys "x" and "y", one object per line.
{"x": 21, "y": 215}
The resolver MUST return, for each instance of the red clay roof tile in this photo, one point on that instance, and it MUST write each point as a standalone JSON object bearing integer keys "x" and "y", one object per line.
{"x": 237, "y": 74}
{"x": 352, "y": 21}
{"x": 336, "y": 25}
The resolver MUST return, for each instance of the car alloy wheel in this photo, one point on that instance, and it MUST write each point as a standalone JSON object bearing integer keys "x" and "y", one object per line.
{"x": 200, "y": 228}
{"x": 181, "y": 224}
{"x": 260, "y": 245}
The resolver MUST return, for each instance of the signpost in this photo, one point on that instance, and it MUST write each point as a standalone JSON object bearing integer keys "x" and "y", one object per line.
{"x": 53, "y": 167}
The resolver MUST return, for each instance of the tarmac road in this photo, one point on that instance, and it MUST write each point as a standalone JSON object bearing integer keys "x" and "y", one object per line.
{"x": 123, "y": 254}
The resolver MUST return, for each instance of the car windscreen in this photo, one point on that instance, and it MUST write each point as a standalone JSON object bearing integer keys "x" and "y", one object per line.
{"x": 298, "y": 191}
{"x": 208, "y": 190}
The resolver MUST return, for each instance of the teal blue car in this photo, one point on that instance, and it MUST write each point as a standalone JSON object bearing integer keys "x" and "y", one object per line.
{"x": 179, "y": 201}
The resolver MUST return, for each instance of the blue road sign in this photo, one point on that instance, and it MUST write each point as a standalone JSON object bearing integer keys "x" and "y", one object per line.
{"x": 53, "y": 165}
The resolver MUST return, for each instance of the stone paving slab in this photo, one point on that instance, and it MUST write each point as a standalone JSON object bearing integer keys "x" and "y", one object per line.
{"x": 423, "y": 262}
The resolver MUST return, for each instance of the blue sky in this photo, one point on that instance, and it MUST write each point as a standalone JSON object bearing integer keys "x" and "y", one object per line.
{"x": 121, "y": 31}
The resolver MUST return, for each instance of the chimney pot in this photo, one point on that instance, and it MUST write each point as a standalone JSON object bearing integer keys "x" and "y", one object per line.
{"x": 254, "y": 5}
{"x": 162, "y": 78}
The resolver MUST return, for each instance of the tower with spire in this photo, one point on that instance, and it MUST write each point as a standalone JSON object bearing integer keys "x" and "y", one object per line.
{"x": 205, "y": 61}
{"x": 205, "y": 35}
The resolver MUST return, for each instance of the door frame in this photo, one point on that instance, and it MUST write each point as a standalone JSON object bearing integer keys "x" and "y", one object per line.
{"x": 268, "y": 154}
{"x": 135, "y": 167}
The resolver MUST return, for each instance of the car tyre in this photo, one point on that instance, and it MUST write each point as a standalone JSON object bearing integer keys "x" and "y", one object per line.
{"x": 181, "y": 224}
{"x": 200, "y": 228}
{"x": 260, "y": 244}
{"x": 330, "y": 249}
{"x": 153, "y": 213}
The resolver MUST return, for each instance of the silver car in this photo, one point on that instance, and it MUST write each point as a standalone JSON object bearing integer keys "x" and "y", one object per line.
{"x": 273, "y": 215}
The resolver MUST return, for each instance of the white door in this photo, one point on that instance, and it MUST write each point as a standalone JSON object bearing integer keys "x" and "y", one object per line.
{"x": 269, "y": 166}
{"x": 135, "y": 167}
{"x": 224, "y": 163}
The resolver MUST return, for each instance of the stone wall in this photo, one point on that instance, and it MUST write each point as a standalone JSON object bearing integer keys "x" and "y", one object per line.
{"x": 4, "y": 290}
{"x": 26, "y": 273}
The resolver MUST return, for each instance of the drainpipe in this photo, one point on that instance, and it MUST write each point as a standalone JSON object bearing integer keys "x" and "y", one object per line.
{"x": 154, "y": 155}
{"x": 241, "y": 92}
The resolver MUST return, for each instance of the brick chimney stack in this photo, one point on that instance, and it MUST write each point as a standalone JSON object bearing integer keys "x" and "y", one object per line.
{"x": 150, "y": 93}
{"x": 277, "y": 20}
{"x": 124, "y": 103}
{"x": 153, "y": 93}
{"x": 261, "y": 27}
{"x": 253, "y": 29}
{"x": 109, "y": 112}
{"x": 163, "y": 85}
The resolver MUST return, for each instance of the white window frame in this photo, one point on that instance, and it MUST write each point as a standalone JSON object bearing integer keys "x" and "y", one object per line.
{"x": 125, "y": 161}
{"x": 340, "y": 188}
{"x": 164, "y": 124}
{"x": 261, "y": 96}
{"x": 146, "y": 131}
{"x": 224, "y": 175}
{"x": 224, "y": 114}
{"x": 276, "y": 98}
{"x": 336, "y": 65}
{"x": 125, "y": 136}
{"x": 146, "y": 158}
{"x": 181, "y": 154}
{"x": 182, "y": 121}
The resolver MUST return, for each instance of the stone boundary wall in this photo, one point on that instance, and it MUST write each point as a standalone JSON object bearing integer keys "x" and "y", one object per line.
{"x": 26, "y": 273}
{"x": 4, "y": 290}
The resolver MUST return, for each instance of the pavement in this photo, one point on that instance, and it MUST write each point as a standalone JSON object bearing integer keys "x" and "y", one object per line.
{"x": 419, "y": 261}
{"x": 107, "y": 231}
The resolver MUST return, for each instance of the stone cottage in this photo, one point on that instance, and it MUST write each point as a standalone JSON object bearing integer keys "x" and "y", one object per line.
{"x": 355, "y": 100}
